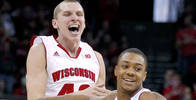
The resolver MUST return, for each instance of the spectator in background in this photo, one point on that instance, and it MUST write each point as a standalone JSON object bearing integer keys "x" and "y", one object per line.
{"x": 6, "y": 19}
{"x": 175, "y": 90}
{"x": 194, "y": 91}
{"x": 7, "y": 65}
{"x": 186, "y": 46}
{"x": 2, "y": 87}
{"x": 187, "y": 94}
{"x": 6, "y": 60}
{"x": 108, "y": 9}
{"x": 168, "y": 77}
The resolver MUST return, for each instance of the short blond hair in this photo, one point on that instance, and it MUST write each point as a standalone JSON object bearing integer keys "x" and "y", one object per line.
{"x": 57, "y": 9}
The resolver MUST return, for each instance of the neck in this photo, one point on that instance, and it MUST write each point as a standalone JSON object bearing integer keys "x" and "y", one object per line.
{"x": 126, "y": 95}
{"x": 70, "y": 45}
{"x": 123, "y": 96}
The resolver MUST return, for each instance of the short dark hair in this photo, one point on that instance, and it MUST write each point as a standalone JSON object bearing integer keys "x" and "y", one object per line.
{"x": 134, "y": 50}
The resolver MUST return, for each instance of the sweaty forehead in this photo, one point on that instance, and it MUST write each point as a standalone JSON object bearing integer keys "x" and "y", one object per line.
{"x": 132, "y": 58}
{"x": 70, "y": 6}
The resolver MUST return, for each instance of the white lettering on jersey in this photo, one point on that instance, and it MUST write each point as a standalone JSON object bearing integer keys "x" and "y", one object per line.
{"x": 68, "y": 74}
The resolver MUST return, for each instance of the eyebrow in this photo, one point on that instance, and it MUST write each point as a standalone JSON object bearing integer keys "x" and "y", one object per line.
{"x": 124, "y": 61}
{"x": 71, "y": 10}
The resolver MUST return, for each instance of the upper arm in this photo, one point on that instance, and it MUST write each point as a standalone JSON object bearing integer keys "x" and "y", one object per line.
{"x": 67, "y": 97}
{"x": 36, "y": 72}
{"x": 152, "y": 96}
{"x": 102, "y": 74}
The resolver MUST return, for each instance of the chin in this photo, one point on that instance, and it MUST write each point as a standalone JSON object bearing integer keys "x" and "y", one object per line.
{"x": 128, "y": 89}
{"x": 76, "y": 39}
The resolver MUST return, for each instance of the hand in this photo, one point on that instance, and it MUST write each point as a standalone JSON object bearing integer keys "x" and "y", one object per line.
{"x": 110, "y": 96}
{"x": 97, "y": 90}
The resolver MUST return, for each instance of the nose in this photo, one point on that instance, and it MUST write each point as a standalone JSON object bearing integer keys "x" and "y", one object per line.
{"x": 130, "y": 72}
{"x": 74, "y": 17}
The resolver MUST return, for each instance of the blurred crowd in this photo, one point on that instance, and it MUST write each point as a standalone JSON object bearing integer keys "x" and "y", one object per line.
{"x": 180, "y": 82}
{"x": 18, "y": 23}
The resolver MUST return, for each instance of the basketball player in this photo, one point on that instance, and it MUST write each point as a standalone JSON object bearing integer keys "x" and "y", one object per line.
{"x": 131, "y": 73}
{"x": 63, "y": 64}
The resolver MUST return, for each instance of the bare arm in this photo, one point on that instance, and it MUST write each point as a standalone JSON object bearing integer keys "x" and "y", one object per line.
{"x": 66, "y": 97}
{"x": 36, "y": 74}
{"x": 152, "y": 96}
{"x": 37, "y": 78}
{"x": 102, "y": 74}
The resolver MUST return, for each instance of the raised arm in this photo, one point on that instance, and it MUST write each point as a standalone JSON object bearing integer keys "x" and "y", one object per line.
{"x": 36, "y": 74}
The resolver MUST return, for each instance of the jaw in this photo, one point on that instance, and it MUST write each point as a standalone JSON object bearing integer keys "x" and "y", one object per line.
{"x": 69, "y": 38}
{"x": 129, "y": 92}
{"x": 130, "y": 86}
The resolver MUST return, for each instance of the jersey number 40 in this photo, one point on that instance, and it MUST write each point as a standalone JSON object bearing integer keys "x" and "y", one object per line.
{"x": 69, "y": 88}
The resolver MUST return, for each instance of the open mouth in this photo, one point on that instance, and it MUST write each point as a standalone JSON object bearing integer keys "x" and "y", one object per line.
{"x": 74, "y": 28}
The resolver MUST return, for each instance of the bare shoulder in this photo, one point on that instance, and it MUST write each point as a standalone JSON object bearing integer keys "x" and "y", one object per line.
{"x": 152, "y": 96}
{"x": 98, "y": 54}
{"x": 36, "y": 74}
{"x": 100, "y": 58}
{"x": 36, "y": 55}
{"x": 37, "y": 47}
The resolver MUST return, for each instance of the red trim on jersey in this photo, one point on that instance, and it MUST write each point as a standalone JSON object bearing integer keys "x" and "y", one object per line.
{"x": 32, "y": 39}
{"x": 55, "y": 36}
{"x": 77, "y": 54}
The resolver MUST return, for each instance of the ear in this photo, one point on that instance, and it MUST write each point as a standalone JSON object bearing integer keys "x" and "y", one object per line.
{"x": 145, "y": 75}
{"x": 115, "y": 70}
{"x": 54, "y": 24}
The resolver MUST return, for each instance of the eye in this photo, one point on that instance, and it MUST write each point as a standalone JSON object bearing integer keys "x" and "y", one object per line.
{"x": 66, "y": 14}
{"x": 124, "y": 66}
{"x": 80, "y": 14}
{"x": 138, "y": 69}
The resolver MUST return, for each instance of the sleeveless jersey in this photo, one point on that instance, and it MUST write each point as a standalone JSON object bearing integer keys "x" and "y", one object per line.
{"x": 68, "y": 74}
{"x": 137, "y": 95}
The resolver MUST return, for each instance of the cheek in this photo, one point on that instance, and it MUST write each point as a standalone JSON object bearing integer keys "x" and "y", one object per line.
{"x": 117, "y": 73}
{"x": 62, "y": 24}
{"x": 83, "y": 24}
{"x": 121, "y": 73}
{"x": 140, "y": 77}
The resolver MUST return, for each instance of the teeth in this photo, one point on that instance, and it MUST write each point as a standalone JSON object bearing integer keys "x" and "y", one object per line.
{"x": 73, "y": 26}
{"x": 128, "y": 80}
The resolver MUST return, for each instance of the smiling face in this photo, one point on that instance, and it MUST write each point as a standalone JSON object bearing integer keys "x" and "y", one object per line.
{"x": 69, "y": 20}
{"x": 130, "y": 72}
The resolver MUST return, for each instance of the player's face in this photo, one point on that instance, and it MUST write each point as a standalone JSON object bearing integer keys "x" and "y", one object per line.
{"x": 130, "y": 72}
{"x": 70, "y": 21}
